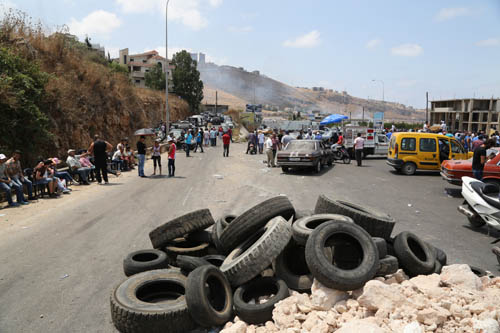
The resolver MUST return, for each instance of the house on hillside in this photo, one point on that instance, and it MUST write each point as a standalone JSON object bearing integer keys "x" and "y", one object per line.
{"x": 139, "y": 64}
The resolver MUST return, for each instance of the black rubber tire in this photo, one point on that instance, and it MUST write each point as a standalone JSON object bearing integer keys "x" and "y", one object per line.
{"x": 317, "y": 167}
{"x": 182, "y": 246}
{"x": 476, "y": 221}
{"x": 302, "y": 228}
{"x": 408, "y": 168}
{"x": 478, "y": 271}
{"x": 291, "y": 267}
{"x": 138, "y": 306}
{"x": 209, "y": 296}
{"x": 257, "y": 252}
{"x": 218, "y": 227}
{"x": 215, "y": 259}
{"x": 334, "y": 275}
{"x": 376, "y": 223}
{"x": 387, "y": 265}
{"x": 200, "y": 236}
{"x": 302, "y": 213}
{"x": 414, "y": 256}
{"x": 437, "y": 267}
{"x": 253, "y": 219}
{"x": 144, "y": 260}
{"x": 180, "y": 226}
{"x": 284, "y": 169}
{"x": 262, "y": 286}
{"x": 381, "y": 245}
{"x": 439, "y": 254}
{"x": 346, "y": 160}
{"x": 188, "y": 264}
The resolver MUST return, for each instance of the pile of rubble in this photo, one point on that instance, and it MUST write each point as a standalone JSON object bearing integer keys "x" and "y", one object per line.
{"x": 455, "y": 301}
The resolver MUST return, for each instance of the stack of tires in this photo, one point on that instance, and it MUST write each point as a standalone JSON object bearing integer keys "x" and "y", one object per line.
{"x": 203, "y": 272}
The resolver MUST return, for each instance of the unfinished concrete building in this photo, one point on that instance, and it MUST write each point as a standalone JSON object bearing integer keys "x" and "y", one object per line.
{"x": 471, "y": 114}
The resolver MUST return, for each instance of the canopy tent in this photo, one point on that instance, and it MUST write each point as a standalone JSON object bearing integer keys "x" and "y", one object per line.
{"x": 333, "y": 118}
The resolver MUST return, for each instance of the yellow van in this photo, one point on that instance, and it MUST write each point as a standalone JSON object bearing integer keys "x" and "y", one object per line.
{"x": 409, "y": 151}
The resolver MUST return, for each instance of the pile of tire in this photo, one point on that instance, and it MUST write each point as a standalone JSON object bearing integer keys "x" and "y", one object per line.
{"x": 202, "y": 272}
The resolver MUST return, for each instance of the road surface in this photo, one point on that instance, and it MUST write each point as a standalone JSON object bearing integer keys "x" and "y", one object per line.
{"x": 61, "y": 258}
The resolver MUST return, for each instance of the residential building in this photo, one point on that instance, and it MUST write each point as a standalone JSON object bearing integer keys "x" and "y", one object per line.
{"x": 201, "y": 59}
{"x": 194, "y": 56}
{"x": 140, "y": 64}
{"x": 472, "y": 114}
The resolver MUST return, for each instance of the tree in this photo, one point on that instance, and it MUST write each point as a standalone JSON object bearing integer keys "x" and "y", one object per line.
{"x": 186, "y": 80}
{"x": 155, "y": 79}
{"x": 22, "y": 90}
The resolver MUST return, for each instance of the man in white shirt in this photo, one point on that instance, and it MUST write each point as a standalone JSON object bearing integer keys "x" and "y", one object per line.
{"x": 118, "y": 158}
{"x": 73, "y": 162}
{"x": 359, "y": 144}
{"x": 286, "y": 138}
{"x": 262, "y": 139}
{"x": 269, "y": 152}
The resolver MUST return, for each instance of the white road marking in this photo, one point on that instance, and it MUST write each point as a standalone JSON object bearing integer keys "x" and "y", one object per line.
{"x": 187, "y": 196}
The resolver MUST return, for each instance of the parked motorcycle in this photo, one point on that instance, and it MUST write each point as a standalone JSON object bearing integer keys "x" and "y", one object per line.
{"x": 340, "y": 153}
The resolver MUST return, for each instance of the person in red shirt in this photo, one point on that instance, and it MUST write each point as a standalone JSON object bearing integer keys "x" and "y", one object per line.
{"x": 226, "y": 139}
{"x": 171, "y": 158}
{"x": 230, "y": 132}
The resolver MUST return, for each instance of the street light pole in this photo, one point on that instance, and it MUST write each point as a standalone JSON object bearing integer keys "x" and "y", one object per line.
{"x": 383, "y": 88}
{"x": 167, "y": 67}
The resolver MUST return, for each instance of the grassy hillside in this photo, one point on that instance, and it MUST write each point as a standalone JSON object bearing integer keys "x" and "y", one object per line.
{"x": 56, "y": 93}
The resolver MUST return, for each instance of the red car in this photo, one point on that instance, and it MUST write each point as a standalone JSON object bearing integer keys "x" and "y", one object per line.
{"x": 454, "y": 170}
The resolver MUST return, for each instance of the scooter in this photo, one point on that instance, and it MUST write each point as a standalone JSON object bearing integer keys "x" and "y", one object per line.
{"x": 340, "y": 153}
{"x": 481, "y": 206}
{"x": 482, "y": 203}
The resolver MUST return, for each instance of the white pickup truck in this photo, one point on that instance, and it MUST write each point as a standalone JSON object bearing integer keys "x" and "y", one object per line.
{"x": 375, "y": 143}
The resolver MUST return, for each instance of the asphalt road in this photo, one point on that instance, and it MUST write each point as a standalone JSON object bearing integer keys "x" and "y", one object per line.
{"x": 58, "y": 267}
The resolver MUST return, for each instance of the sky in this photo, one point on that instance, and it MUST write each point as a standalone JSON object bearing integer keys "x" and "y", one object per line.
{"x": 450, "y": 48}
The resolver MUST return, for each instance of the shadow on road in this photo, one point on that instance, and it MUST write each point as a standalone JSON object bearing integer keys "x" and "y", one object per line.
{"x": 453, "y": 191}
{"x": 486, "y": 231}
{"x": 308, "y": 172}
{"x": 417, "y": 173}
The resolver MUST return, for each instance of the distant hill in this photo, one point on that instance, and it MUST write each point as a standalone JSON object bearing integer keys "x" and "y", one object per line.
{"x": 237, "y": 87}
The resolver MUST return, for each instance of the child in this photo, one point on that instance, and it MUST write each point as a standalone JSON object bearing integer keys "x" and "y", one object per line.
{"x": 171, "y": 158}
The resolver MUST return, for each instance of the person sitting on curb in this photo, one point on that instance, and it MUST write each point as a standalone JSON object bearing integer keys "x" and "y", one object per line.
{"x": 15, "y": 172}
{"x": 43, "y": 177}
{"x": 6, "y": 184}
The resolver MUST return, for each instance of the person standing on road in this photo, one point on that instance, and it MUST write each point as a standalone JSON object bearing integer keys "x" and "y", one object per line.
{"x": 171, "y": 158}
{"x": 479, "y": 159}
{"x": 141, "y": 155}
{"x": 206, "y": 137}
{"x": 230, "y": 133}
{"x": 261, "y": 139}
{"x": 199, "y": 141}
{"x": 251, "y": 139}
{"x": 156, "y": 156}
{"x": 269, "y": 152}
{"x": 213, "y": 137}
{"x": 187, "y": 141}
{"x": 226, "y": 140}
{"x": 275, "y": 142}
{"x": 286, "y": 139}
{"x": 99, "y": 149}
{"x": 359, "y": 144}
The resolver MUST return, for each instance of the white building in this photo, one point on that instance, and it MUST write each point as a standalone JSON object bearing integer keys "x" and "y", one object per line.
{"x": 139, "y": 64}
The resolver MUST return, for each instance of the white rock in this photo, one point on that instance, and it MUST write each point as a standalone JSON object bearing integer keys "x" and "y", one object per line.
{"x": 461, "y": 276}
{"x": 378, "y": 295}
{"x": 311, "y": 321}
{"x": 363, "y": 326}
{"x": 485, "y": 326}
{"x": 428, "y": 284}
{"x": 238, "y": 327}
{"x": 341, "y": 307}
{"x": 323, "y": 298}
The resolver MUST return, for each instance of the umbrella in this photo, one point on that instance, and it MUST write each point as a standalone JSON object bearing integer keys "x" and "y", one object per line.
{"x": 333, "y": 118}
{"x": 145, "y": 132}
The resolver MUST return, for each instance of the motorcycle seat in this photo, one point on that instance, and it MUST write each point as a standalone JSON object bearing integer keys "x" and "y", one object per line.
{"x": 489, "y": 193}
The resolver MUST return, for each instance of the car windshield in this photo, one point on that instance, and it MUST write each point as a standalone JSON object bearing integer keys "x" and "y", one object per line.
{"x": 297, "y": 145}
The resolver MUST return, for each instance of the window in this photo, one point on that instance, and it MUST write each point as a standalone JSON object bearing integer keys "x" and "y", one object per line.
{"x": 408, "y": 144}
{"x": 456, "y": 148}
{"x": 428, "y": 145}
{"x": 137, "y": 81}
{"x": 131, "y": 59}
{"x": 124, "y": 58}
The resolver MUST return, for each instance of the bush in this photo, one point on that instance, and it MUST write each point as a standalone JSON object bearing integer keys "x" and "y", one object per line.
{"x": 117, "y": 68}
{"x": 22, "y": 84}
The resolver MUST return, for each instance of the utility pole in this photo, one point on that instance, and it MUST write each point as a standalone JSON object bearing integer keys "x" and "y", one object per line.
{"x": 216, "y": 102}
{"x": 363, "y": 117}
{"x": 167, "y": 67}
{"x": 427, "y": 106}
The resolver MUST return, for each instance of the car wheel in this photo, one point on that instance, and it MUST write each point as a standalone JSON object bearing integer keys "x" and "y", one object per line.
{"x": 330, "y": 162}
{"x": 284, "y": 169}
{"x": 317, "y": 167}
{"x": 346, "y": 160}
{"x": 409, "y": 168}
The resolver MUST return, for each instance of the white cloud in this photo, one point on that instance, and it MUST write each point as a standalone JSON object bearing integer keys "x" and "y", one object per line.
{"x": 373, "y": 43}
{"x": 114, "y": 52}
{"x": 215, "y": 3}
{"x": 407, "y": 50}
{"x": 451, "y": 13}
{"x": 99, "y": 23}
{"x": 489, "y": 42}
{"x": 246, "y": 28}
{"x": 188, "y": 12}
{"x": 305, "y": 41}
